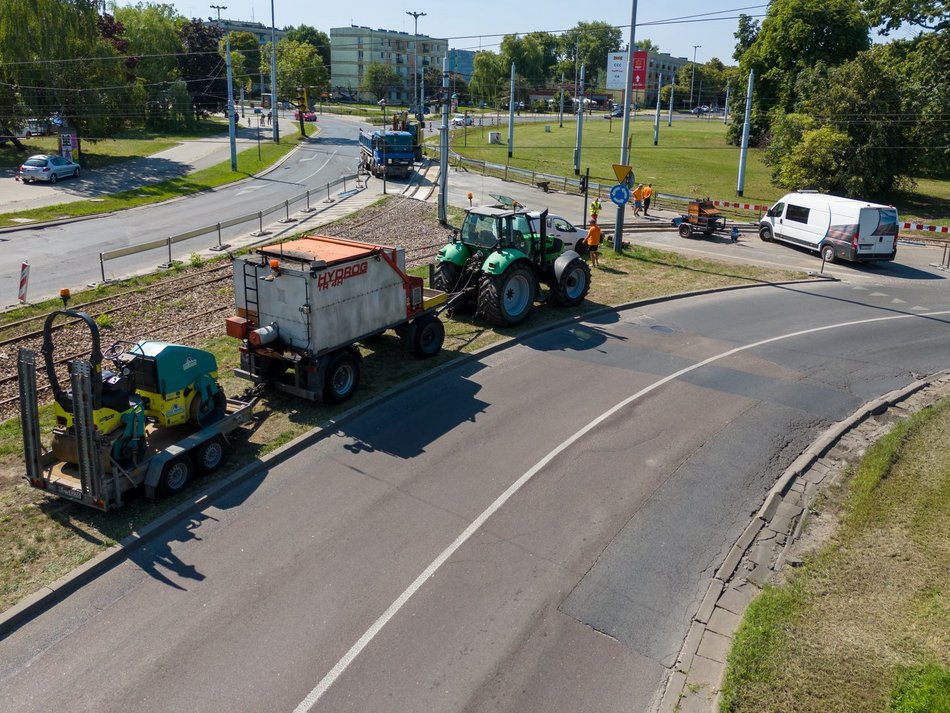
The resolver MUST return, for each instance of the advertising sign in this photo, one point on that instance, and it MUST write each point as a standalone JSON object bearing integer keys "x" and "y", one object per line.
{"x": 617, "y": 70}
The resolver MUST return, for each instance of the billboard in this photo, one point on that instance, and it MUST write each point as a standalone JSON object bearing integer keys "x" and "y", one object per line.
{"x": 617, "y": 70}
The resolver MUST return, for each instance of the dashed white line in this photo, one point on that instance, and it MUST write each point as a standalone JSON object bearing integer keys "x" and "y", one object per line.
{"x": 328, "y": 680}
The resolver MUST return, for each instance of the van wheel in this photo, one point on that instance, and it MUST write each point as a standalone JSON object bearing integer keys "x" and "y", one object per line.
{"x": 765, "y": 232}
{"x": 828, "y": 252}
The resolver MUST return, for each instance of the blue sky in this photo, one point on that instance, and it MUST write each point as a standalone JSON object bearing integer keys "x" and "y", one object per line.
{"x": 471, "y": 24}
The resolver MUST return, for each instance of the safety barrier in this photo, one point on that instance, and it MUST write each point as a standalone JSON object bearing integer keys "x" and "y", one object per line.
{"x": 217, "y": 228}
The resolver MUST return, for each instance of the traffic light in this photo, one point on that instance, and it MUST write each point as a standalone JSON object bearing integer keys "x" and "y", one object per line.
{"x": 583, "y": 184}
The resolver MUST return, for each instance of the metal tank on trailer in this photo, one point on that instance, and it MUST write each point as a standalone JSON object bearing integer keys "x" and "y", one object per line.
{"x": 303, "y": 304}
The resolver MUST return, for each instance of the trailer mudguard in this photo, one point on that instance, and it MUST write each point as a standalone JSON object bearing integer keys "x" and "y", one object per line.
{"x": 563, "y": 260}
{"x": 455, "y": 253}
{"x": 500, "y": 260}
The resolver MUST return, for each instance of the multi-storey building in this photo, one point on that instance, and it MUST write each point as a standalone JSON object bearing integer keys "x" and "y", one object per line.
{"x": 260, "y": 31}
{"x": 660, "y": 63}
{"x": 354, "y": 48}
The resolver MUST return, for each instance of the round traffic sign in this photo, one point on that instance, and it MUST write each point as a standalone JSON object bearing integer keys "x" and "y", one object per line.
{"x": 620, "y": 194}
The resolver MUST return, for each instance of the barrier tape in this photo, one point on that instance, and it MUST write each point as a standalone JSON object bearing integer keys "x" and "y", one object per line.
{"x": 927, "y": 228}
{"x": 743, "y": 206}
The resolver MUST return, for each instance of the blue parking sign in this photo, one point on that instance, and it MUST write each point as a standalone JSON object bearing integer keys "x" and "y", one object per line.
{"x": 620, "y": 194}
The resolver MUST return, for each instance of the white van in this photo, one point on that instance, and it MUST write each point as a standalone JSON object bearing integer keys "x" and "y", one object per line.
{"x": 832, "y": 226}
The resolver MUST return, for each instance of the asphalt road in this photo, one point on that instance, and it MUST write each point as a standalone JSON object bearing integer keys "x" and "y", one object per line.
{"x": 67, "y": 255}
{"x": 531, "y": 531}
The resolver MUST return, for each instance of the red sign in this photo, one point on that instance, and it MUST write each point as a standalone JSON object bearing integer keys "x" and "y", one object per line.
{"x": 333, "y": 278}
{"x": 639, "y": 79}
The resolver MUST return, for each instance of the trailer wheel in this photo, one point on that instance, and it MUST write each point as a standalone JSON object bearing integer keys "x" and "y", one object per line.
{"x": 828, "y": 252}
{"x": 574, "y": 284}
{"x": 685, "y": 230}
{"x": 175, "y": 475}
{"x": 342, "y": 377}
{"x": 210, "y": 455}
{"x": 428, "y": 335}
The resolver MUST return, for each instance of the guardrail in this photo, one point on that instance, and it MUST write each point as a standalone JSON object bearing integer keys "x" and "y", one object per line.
{"x": 303, "y": 199}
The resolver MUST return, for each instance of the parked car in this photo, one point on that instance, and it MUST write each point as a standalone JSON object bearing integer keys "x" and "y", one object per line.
{"x": 461, "y": 120}
{"x": 615, "y": 114}
{"x": 561, "y": 228}
{"x": 48, "y": 168}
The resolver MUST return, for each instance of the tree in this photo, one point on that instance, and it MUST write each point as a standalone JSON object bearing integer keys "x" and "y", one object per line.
{"x": 299, "y": 66}
{"x": 488, "y": 77}
{"x": 320, "y": 41}
{"x": 745, "y": 35}
{"x": 796, "y": 34}
{"x": 380, "y": 79}
{"x": 153, "y": 43}
{"x": 245, "y": 59}
{"x": 202, "y": 67}
{"x": 889, "y": 15}
{"x": 588, "y": 43}
{"x": 647, "y": 45}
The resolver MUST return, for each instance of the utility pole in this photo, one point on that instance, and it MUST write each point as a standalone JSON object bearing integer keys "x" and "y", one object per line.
{"x": 415, "y": 59}
{"x": 511, "y": 111}
{"x": 561, "y": 110}
{"x": 273, "y": 76}
{"x": 580, "y": 124}
{"x": 625, "y": 146}
{"x": 740, "y": 186}
{"x": 232, "y": 129}
{"x": 656, "y": 121}
{"x": 725, "y": 109}
{"x": 693, "y": 80}
{"x": 444, "y": 146}
{"x": 669, "y": 121}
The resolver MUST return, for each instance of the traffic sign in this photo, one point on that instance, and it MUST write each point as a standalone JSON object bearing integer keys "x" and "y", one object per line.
{"x": 620, "y": 194}
{"x": 621, "y": 172}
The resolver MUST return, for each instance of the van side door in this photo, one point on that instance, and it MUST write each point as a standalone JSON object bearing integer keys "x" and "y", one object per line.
{"x": 774, "y": 218}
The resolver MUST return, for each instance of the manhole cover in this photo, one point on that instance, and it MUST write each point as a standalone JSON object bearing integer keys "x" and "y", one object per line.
{"x": 663, "y": 329}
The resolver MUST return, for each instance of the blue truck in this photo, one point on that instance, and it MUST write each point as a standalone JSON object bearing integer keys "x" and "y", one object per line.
{"x": 387, "y": 153}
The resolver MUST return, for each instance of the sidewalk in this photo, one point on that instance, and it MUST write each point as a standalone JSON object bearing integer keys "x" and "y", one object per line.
{"x": 180, "y": 160}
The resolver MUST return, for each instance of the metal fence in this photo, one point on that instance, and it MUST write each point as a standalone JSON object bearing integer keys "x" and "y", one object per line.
{"x": 301, "y": 203}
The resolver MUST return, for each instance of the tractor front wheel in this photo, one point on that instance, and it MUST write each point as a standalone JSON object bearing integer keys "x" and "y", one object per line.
{"x": 574, "y": 284}
{"x": 506, "y": 299}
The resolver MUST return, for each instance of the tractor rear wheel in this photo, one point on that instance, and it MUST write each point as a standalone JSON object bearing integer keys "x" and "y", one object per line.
{"x": 342, "y": 377}
{"x": 506, "y": 299}
{"x": 574, "y": 284}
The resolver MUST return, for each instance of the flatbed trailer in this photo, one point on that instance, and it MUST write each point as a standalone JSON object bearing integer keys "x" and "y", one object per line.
{"x": 171, "y": 455}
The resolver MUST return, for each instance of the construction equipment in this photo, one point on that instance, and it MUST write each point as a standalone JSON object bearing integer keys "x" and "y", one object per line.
{"x": 702, "y": 216}
{"x": 497, "y": 263}
{"x": 152, "y": 421}
{"x": 304, "y": 304}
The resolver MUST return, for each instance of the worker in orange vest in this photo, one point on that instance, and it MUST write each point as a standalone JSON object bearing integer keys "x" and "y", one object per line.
{"x": 638, "y": 199}
{"x": 647, "y": 195}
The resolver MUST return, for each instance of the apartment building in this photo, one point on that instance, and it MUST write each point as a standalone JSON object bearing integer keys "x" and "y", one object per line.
{"x": 354, "y": 48}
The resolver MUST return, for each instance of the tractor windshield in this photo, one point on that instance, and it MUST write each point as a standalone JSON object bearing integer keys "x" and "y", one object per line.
{"x": 481, "y": 231}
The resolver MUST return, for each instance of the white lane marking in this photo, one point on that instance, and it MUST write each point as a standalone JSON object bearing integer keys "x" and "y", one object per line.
{"x": 324, "y": 685}
{"x": 322, "y": 166}
{"x": 249, "y": 189}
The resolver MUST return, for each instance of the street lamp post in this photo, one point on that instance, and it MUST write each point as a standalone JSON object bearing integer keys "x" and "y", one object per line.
{"x": 219, "y": 8}
{"x": 273, "y": 75}
{"x": 693, "y": 80}
{"x": 415, "y": 60}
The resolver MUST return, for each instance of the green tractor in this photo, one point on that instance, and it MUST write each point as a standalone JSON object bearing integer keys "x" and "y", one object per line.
{"x": 500, "y": 258}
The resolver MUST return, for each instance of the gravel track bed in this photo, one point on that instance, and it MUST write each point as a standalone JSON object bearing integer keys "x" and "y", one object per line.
{"x": 197, "y": 312}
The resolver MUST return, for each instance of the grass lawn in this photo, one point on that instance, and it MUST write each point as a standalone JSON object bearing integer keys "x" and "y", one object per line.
{"x": 97, "y": 153}
{"x": 864, "y": 625}
{"x": 692, "y": 159}
{"x": 42, "y": 538}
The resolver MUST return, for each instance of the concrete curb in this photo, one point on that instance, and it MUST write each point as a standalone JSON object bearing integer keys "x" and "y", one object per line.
{"x": 693, "y": 685}
{"x": 50, "y": 594}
